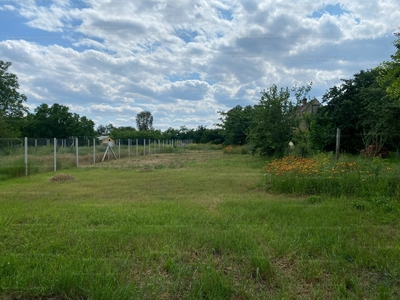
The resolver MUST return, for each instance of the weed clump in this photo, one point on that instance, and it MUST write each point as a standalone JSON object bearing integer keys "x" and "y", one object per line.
{"x": 61, "y": 177}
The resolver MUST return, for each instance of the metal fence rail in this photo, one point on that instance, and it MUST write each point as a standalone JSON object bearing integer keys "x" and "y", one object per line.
{"x": 26, "y": 156}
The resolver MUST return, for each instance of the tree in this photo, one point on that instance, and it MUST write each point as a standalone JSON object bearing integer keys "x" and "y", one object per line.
{"x": 84, "y": 127}
{"x": 109, "y": 128}
{"x": 12, "y": 107}
{"x": 56, "y": 121}
{"x": 144, "y": 121}
{"x": 199, "y": 135}
{"x": 213, "y": 136}
{"x": 101, "y": 129}
{"x": 171, "y": 133}
{"x": 390, "y": 73}
{"x": 236, "y": 123}
{"x": 362, "y": 110}
{"x": 302, "y": 93}
{"x": 273, "y": 122}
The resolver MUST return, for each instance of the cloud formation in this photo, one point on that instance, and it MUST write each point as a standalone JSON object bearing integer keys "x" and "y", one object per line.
{"x": 186, "y": 60}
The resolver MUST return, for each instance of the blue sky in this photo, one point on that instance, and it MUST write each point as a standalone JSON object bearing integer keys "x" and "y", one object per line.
{"x": 186, "y": 60}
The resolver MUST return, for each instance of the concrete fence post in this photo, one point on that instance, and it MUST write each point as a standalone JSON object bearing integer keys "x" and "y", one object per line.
{"x": 77, "y": 157}
{"x": 337, "y": 143}
{"x": 55, "y": 154}
{"x": 26, "y": 156}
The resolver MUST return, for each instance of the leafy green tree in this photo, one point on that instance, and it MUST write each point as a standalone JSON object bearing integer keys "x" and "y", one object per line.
{"x": 84, "y": 127}
{"x": 236, "y": 124}
{"x": 56, "y": 121}
{"x": 184, "y": 133}
{"x": 361, "y": 109}
{"x": 390, "y": 73}
{"x": 198, "y": 135}
{"x": 212, "y": 136}
{"x": 12, "y": 107}
{"x": 273, "y": 122}
{"x": 302, "y": 93}
{"x": 101, "y": 129}
{"x": 144, "y": 121}
{"x": 171, "y": 133}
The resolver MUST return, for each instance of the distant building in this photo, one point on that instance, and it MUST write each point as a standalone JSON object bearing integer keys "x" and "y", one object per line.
{"x": 105, "y": 139}
{"x": 310, "y": 107}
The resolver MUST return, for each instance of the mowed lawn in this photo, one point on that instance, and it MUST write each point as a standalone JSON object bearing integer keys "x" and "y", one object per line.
{"x": 190, "y": 225}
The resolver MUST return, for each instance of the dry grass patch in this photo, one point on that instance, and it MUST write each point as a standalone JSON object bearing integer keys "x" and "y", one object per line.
{"x": 161, "y": 160}
{"x": 61, "y": 177}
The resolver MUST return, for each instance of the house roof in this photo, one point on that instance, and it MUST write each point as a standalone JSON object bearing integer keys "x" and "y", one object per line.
{"x": 103, "y": 137}
{"x": 310, "y": 106}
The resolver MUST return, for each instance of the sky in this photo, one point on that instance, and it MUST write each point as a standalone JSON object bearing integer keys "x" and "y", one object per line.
{"x": 184, "y": 61}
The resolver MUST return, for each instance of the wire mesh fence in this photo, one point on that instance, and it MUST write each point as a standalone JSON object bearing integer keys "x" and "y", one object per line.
{"x": 24, "y": 156}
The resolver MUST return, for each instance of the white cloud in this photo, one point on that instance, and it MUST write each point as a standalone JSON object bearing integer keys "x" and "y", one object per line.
{"x": 186, "y": 60}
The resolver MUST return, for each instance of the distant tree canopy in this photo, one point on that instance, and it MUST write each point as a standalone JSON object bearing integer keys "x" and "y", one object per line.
{"x": 12, "y": 109}
{"x": 199, "y": 135}
{"x": 102, "y": 130}
{"x": 236, "y": 124}
{"x": 56, "y": 121}
{"x": 144, "y": 121}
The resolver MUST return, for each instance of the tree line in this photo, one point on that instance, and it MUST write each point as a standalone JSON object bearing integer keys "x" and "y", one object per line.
{"x": 56, "y": 121}
{"x": 365, "y": 107}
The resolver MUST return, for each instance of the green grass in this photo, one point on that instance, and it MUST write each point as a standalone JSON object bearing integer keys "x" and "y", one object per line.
{"x": 190, "y": 225}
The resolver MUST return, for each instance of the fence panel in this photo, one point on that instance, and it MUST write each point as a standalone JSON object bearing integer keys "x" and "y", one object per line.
{"x": 25, "y": 156}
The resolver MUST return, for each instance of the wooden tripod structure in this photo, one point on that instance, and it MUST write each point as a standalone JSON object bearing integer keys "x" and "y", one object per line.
{"x": 109, "y": 148}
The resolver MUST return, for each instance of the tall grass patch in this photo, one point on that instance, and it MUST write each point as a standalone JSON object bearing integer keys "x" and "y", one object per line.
{"x": 12, "y": 167}
{"x": 322, "y": 174}
{"x": 236, "y": 149}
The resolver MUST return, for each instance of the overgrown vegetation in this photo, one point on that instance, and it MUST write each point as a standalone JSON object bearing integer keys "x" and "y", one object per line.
{"x": 362, "y": 107}
{"x": 351, "y": 176}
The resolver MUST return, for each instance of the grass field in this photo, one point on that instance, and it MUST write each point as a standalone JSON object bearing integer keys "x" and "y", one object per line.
{"x": 190, "y": 225}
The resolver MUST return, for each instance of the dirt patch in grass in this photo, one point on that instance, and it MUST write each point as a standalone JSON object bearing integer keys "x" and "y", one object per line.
{"x": 61, "y": 177}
